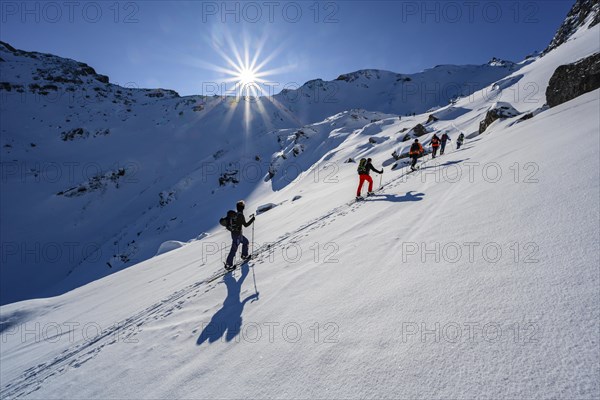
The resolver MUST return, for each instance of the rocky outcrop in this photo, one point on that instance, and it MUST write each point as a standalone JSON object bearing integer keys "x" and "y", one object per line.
{"x": 165, "y": 197}
{"x": 581, "y": 11}
{"x": 498, "y": 111}
{"x": 229, "y": 177}
{"x": 81, "y": 133}
{"x": 497, "y": 62}
{"x": 572, "y": 80}
{"x": 363, "y": 73}
{"x": 96, "y": 183}
{"x": 57, "y": 70}
{"x": 432, "y": 118}
{"x": 419, "y": 130}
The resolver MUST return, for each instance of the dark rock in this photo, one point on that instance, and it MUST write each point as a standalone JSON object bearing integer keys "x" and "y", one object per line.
{"x": 419, "y": 130}
{"x": 432, "y": 118}
{"x": 366, "y": 73}
{"x": 297, "y": 149}
{"x": 229, "y": 177}
{"x": 102, "y": 78}
{"x": 165, "y": 198}
{"x": 218, "y": 154}
{"x": 95, "y": 183}
{"x": 579, "y": 13}
{"x": 163, "y": 93}
{"x": 8, "y": 47}
{"x": 264, "y": 208}
{"x": 572, "y": 80}
{"x": 526, "y": 117}
{"x": 74, "y": 133}
{"x": 497, "y": 111}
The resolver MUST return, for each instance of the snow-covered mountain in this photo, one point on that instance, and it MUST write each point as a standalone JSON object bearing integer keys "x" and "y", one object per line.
{"x": 389, "y": 92}
{"x": 96, "y": 176}
{"x": 474, "y": 277}
{"x": 583, "y": 13}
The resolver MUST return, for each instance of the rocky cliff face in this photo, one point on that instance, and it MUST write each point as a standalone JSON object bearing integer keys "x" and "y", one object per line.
{"x": 572, "y": 80}
{"x": 58, "y": 72}
{"x": 580, "y": 13}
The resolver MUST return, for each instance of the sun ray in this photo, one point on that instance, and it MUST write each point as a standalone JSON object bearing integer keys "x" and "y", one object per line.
{"x": 246, "y": 83}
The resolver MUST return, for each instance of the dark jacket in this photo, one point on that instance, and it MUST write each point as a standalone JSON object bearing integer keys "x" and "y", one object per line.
{"x": 241, "y": 221}
{"x": 416, "y": 149}
{"x": 445, "y": 138}
{"x": 370, "y": 167}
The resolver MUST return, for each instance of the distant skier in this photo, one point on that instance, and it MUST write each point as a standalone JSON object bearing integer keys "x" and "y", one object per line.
{"x": 364, "y": 168}
{"x": 460, "y": 140}
{"x": 236, "y": 234}
{"x": 435, "y": 144}
{"x": 416, "y": 151}
{"x": 445, "y": 138}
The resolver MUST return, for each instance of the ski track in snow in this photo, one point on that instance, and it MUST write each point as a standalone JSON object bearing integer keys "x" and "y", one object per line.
{"x": 32, "y": 378}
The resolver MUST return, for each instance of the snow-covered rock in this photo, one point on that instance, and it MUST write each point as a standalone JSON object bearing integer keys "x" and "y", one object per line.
{"x": 169, "y": 245}
{"x": 498, "y": 110}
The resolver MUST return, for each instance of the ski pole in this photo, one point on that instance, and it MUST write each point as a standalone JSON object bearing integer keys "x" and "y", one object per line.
{"x": 380, "y": 179}
{"x": 253, "y": 264}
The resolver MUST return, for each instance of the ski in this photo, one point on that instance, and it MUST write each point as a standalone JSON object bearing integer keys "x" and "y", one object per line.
{"x": 237, "y": 264}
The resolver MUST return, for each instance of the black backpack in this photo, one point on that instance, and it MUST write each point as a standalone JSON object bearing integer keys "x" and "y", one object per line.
{"x": 362, "y": 166}
{"x": 229, "y": 221}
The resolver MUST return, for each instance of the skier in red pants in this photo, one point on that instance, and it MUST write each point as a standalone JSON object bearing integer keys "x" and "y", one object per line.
{"x": 364, "y": 167}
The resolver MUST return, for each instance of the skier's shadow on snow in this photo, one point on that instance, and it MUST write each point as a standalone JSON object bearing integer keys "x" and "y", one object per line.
{"x": 228, "y": 320}
{"x": 409, "y": 196}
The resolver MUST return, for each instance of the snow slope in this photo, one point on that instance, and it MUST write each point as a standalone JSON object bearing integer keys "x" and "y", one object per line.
{"x": 475, "y": 277}
{"x": 97, "y": 176}
{"x": 533, "y": 319}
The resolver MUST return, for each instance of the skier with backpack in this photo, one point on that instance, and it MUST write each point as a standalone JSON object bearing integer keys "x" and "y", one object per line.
{"x": 416, "y": 151}
{"x": 234, "y": 221}
{"x": 364, "y": 167}
{"x": 435, "y": 144}
{"x": 445, "y": 138}
{"x": 460, "y": 140}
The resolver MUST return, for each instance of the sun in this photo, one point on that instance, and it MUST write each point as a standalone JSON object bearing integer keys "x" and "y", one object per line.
{"x": 246, "y": 76}
{"x": 246, "y": 82}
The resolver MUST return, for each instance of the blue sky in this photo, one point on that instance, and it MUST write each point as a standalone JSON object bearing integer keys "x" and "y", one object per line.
{"x": 184, "y": 45}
